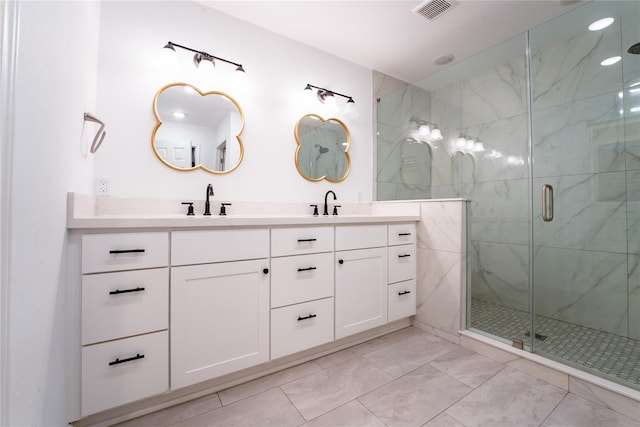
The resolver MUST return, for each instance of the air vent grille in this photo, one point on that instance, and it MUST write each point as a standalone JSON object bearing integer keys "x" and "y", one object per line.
{"x": 431, "y": 9}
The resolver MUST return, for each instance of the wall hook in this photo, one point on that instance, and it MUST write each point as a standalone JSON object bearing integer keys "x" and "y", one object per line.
{"x": 97, "y": 140}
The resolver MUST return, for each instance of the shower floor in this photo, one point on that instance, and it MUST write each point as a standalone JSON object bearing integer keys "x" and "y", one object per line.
{"x": 601, "y": 353}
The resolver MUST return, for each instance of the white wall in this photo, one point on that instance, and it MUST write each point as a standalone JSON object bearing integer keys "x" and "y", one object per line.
{"x": 55, "y": 84}
{"x": 131, "y": 71}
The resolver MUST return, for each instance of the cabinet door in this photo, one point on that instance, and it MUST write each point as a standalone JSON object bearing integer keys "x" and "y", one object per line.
{"x": 219, "y": 319}
{"x": 361, "y": 290}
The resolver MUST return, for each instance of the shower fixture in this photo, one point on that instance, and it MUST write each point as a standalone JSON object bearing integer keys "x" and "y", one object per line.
{"x": 200, "y": 56}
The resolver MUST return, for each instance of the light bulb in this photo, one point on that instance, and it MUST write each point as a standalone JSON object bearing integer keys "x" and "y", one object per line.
{"x": 478, "y": 146}
{"x": 601, "y": 24}
{"x": 610, "y": 61}
{"x": 436, "y": 134}
{"x": 461, "y": 142}
{"x": 424, "y": 130}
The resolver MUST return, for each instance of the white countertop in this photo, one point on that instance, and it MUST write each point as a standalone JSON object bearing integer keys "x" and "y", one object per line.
{"x": 87, "y": 212}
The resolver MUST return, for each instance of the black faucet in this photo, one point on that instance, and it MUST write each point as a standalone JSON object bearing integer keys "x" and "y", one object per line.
{"x": 326, "y": 210}
{"x": 207, "y": 206}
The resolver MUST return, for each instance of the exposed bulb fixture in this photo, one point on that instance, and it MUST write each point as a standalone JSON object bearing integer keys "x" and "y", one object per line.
{"x": 601, "y": 24}
{"x": 327, "y": 96}
{"x": 201, "y": 58}
{"x": 427, "y": 130}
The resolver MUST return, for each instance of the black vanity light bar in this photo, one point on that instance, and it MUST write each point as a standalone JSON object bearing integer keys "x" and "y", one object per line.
{"x": 322, "y": 93}
{"x": 201, "y": 55}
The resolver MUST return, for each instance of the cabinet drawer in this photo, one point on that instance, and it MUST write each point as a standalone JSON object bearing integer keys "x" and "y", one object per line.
{"x": 402, "y": 263}
{"x": 401, "y": 234}
{"x": 199, "y": 247}
{"x": 360, "y": 236}
{"x": 122, "y": 371}
{"x": 301, "y": 326}
{"x": 402, "y": 300}
{"x": 301, "y": 278}
{"x": 116, "y": 305}
{"x": 124, "y": 251}
{"x": 301, "y": 240}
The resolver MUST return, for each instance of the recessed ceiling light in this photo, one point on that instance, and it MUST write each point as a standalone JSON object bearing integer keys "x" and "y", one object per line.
{"x": 443, "y": 59}
{"x": 611, "y": 61}
{"x": 601, "y": 24}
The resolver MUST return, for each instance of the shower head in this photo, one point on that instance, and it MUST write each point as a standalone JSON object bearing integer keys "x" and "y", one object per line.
{"x": 635, "y": 49}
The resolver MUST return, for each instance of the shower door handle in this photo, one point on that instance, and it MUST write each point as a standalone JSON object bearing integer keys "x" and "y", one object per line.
{"x": 547, "y": 202}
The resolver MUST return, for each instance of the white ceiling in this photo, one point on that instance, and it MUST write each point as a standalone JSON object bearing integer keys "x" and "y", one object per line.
{"x": 387, "y": 36}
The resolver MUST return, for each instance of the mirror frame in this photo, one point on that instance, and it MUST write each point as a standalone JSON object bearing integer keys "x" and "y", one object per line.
{"x": 346, "y": 150}
{"x": 199, "y": 166}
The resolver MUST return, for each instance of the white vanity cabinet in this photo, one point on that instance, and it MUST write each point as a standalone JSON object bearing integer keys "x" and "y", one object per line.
{"x": 361, "y": 278}
{"x": 402, "y": 271}
{"x": 125, "y": 316}
{"x": 219, "y": 303}
{"x": 301, "y": 289}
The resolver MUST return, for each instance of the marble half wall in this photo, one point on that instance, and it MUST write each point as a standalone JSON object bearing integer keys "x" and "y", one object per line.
{"x": 441, "y": 267}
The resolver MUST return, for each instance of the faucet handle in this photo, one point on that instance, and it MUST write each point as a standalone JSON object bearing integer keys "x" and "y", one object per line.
{"x": 190, "y": 208}
{"x": 223, "y": 211}
{"x": 315, "y": 209}
{"x": 335, "y": 209}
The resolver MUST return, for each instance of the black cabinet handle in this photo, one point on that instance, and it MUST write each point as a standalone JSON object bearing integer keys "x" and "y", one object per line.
{"x": 126, "y": 251}
{"x": 404, "y": 292}
{"x": 404, "y": 234}
{"x": 404, "y": 256}
{"x": 311, "y": 316}
{"x": 126, "y": 291}
{"x": 340, "y": 261}
{"x": 128, "y": 359}
{"x": 307, "y": 269}
{"x": 306, "y": 240}
{"x": 265, "y": 270}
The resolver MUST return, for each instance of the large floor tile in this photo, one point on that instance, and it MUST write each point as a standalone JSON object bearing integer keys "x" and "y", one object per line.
{"x": 506, "y": 400}
{"x": 177, "y": 413}
{"x": 467, "y": 367}
{"x": 353, "y": 414}
{"x": 319, "y": 393}
{"x": 269, "y": 408}
{"x": 414, "y": 398}
{"x": 444, "y": 420}
{"x": 575, "y": 411}
{"x": 265, "y": 383}
{"x": 408, "y": 354}
{"x": 349, "y": 353}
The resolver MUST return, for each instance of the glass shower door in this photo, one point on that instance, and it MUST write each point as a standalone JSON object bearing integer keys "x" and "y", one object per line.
{"x": 585, "y": 175}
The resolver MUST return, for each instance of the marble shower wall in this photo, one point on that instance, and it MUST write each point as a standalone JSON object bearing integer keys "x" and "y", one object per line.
{"x": 441, "y": 284}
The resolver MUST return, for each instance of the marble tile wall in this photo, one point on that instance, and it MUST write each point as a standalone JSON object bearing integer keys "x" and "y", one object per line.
{"x": 441, "y": 265}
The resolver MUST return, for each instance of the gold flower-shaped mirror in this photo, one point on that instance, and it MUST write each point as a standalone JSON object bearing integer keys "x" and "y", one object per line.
{"x": 323, "y": 148}
{"x": 197, "y": 129}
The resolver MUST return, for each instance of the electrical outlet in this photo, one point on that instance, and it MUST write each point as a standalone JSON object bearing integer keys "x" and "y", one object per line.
{"x": 103, "y": 187}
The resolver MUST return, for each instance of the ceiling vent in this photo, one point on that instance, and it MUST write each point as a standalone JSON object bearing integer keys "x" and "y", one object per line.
{"x": 431, "y": 9}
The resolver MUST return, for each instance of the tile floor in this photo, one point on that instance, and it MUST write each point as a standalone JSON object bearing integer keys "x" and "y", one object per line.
{"x": 406, "y": 378}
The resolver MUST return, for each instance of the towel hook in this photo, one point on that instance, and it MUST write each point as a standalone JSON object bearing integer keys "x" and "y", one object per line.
{"x": 97, "y": 140}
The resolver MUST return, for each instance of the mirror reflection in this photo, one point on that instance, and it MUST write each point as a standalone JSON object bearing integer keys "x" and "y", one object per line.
{"x": 323, "y": 146}
{"x": 197, "y": 129}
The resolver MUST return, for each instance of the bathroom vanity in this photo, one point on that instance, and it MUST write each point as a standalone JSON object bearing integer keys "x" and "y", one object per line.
{"x": 170, "y": 305}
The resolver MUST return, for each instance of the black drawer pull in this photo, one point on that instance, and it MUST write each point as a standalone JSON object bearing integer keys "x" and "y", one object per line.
{"x": 306, "y": 240}
{"x": 307, "y": 269}
{"x": 126, "y": 291}
{"x": 265, "y": 270}
{"x": 340, "y": 261}
{"x": 404, "y": 256}
{"x": 311, "y": 316}
{"x": 128, "y": 359}
{"x": 126, "y": 251}
{"x": 404, "y": 292}
{"x": 404, "y": 234}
